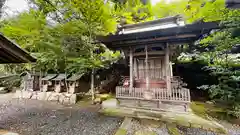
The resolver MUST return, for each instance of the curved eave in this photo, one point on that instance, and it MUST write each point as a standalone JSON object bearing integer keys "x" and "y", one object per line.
{"x": 171, "y": 40}
{"x": 181, "y": 34}
{"x": 233, "y": 4}
{"x": 149, "y": 23}
{"x": 12, "y": 53}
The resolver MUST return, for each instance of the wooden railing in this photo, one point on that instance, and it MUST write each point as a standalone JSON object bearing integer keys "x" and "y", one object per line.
{"x": 161, "y": 94}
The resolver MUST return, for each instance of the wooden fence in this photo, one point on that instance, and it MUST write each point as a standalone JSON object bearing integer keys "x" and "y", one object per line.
{"x": 155, "y": 94}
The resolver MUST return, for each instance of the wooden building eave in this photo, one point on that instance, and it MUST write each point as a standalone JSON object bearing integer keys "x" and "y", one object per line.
{"x": 12, "y": 53}
{"x": 180, "y": 34}
{"x": 233, "y": 4}
{"x": 162, "y": 20}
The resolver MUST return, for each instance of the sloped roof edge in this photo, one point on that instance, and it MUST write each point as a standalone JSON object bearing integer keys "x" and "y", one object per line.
{"x": 18, "y": 55}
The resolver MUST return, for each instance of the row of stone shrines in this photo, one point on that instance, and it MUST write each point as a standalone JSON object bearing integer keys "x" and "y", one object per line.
{"x": 52, "y": 87}
{"x": 53, "y": 82}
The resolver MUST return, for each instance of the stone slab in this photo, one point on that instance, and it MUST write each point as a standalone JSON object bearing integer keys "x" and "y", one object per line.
{"x": 34, "y": 96}
{"x": 42, "y": 95}
{"x": 124, "y": 126}
{"x": 73, "y": 99}
{"x": 111, "y": 103}
{"x": 64, "y": 98}
{"x": 53, "y": 96}
{"x": 183, "y": 119}
{"x": 17, "y": 94}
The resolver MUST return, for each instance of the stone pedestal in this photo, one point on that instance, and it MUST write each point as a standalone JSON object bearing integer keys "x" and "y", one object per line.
{"x": 63, "y": 98}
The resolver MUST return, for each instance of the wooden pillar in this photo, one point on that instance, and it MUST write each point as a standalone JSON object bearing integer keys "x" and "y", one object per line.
{"x": 171, "y": 70}
{"x": 135, "y": 68}
{"x": 131, "y": 69}
{"x": 167, "y": 68}
{"x": 92, "y": 86}
{"x": 146, "y": 68}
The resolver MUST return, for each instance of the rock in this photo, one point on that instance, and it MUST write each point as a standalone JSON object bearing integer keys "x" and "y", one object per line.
{"x": 17, "y": 94}
{"x": 48, "y": 95}
{"x": 26, "y": 94}
{"x": 97, "y": 101}
{"x": 35, "y": 96}
{"x": 61, "y": 99}
{"x": 66, "y": 98}
{"x": 73, "y": 99}
{"x": 42, "y": 95}
{"x": 45, "y": 88}
{"x": 54, "y": 97}
{"x": 2, "y": 88}
{"x": 111, "y": 103}
{"x": 210, "y": 102}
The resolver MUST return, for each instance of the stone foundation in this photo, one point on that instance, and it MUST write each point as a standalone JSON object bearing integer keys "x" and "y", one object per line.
{"x": 64, "y": 98}
{"x": 154, "y": 105}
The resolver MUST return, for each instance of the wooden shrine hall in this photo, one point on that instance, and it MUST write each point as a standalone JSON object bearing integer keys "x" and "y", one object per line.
{"x": 149, "y": 48}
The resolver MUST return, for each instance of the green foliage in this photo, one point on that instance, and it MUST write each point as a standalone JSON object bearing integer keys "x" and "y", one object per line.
{"x": 173, "y": 130}
{"x": 133, "y": 11}
{"x": 10, "y": 81}
{"x": 227, "y": 89}
{"x": 209, "y": 111}
{"x": 25, "y": 29}
{"x": 121, "y": 131}
{"x": 191, "y": 10}
{"x": 235, "y": 110}
{"x": 164, "y": 9}
{"x": 61, "y": 33}
{"x": 217, "y": 56}
{"x": 64, "y": 43}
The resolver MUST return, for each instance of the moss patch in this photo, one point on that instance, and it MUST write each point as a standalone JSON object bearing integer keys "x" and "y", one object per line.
{"x": 104, "y": 97}
{"x": 181, "y": 119}
{"x": 112, "y": 112}
{"x": 209, "y": 111}
{"x": 172, "y": 129}
{"x": 121, "y": 131}
{"x": 145, "y": 132}
{"x": 151, "y": 123}
{"x": 84, "y": 101}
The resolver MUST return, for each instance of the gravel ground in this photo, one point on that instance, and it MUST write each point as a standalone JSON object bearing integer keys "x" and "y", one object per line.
{"x": 195, "y": 131}
{"x": 136, "y": 125}
{"x": 232, "y": 129}
{"x": 32, "y": 117}
{"x": 161, "y": 128}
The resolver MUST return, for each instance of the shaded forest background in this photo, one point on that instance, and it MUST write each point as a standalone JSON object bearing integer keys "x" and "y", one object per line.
{"x": 61, "y": 35}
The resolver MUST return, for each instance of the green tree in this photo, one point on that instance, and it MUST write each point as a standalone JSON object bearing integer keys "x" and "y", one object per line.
{"x": 191, "y": 10}
{"x": 133, "y": 11}
{"x": 60, "y": 42}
